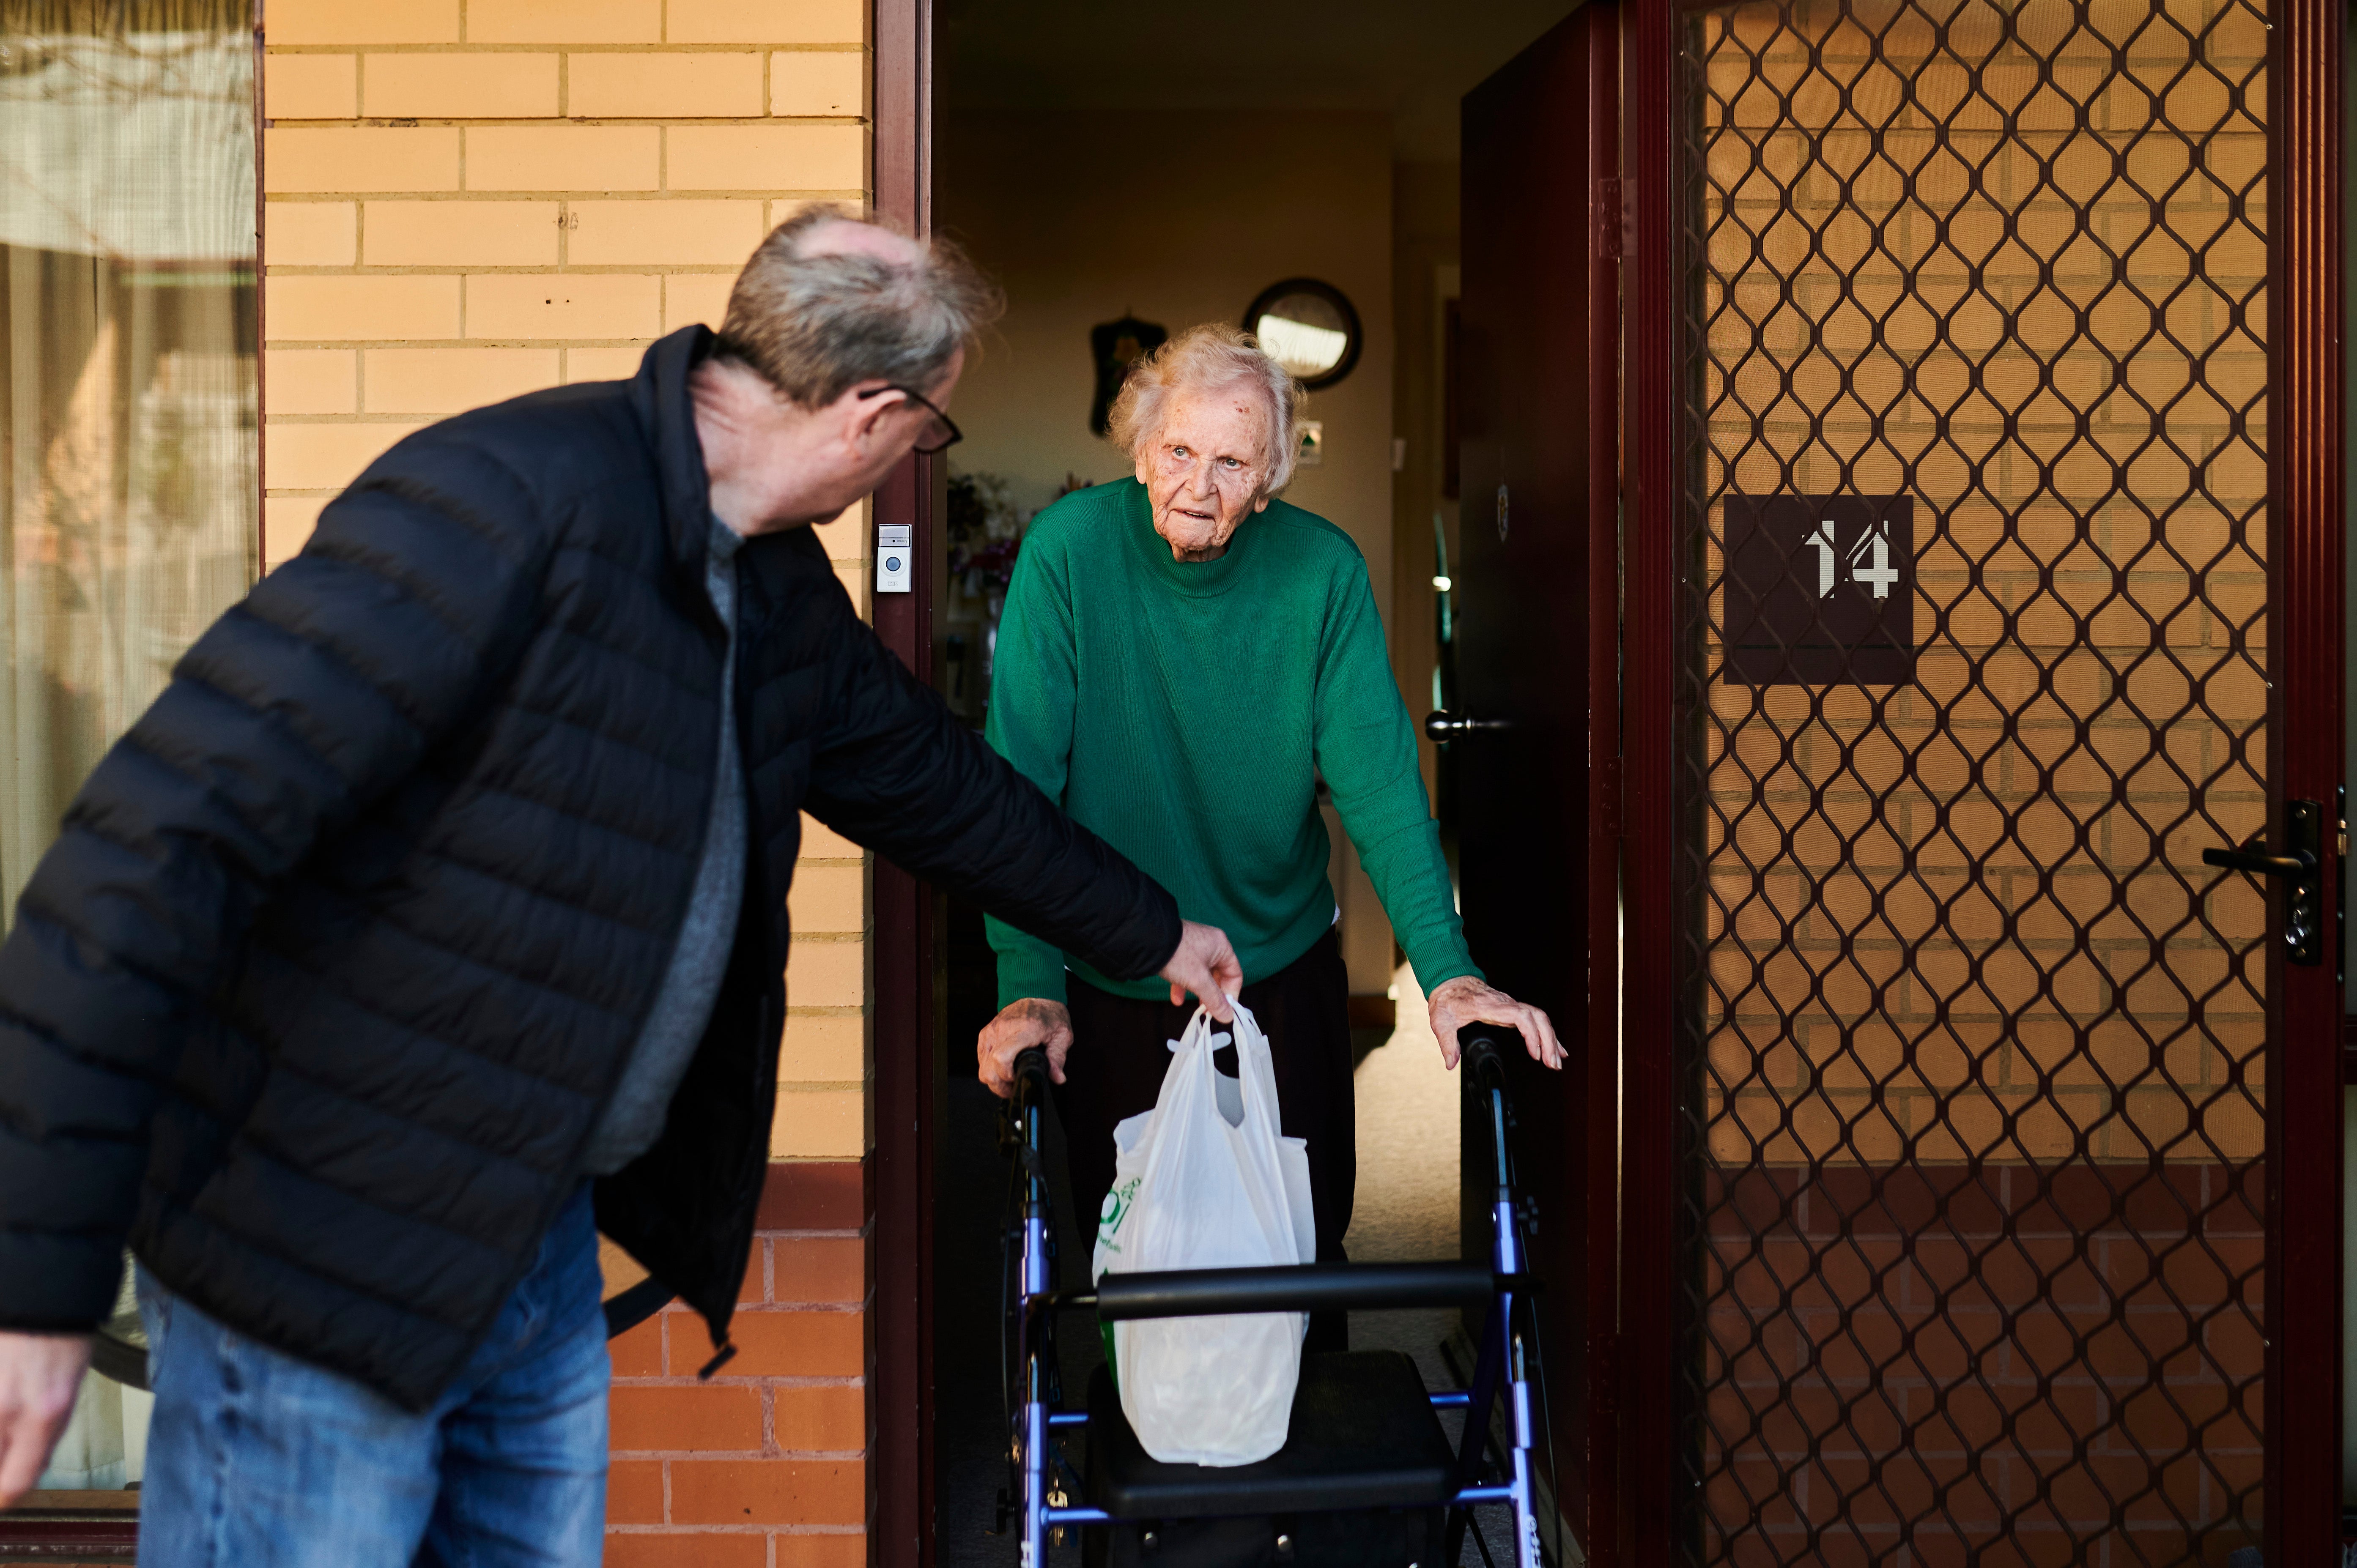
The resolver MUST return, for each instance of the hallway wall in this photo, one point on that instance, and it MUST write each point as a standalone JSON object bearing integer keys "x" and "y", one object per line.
{"x": 1177, "y": 219}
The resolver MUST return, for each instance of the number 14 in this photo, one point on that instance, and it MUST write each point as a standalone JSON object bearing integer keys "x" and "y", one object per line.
{"x": 1869, "y": 561}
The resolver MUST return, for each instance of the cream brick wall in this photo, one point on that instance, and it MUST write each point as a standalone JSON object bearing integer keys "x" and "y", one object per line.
{"x": 467, "y": 200}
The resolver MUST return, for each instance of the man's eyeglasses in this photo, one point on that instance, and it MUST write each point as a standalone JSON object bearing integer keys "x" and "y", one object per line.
{"x": 940, "y": 432}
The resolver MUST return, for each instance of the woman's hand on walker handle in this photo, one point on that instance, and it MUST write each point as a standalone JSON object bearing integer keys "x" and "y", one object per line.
{"x": 1207, "y": 965}
{"x": 1465, "y": 1000}
{"x": 1020, "y": 1025}
{"x": 39, "y": 1375}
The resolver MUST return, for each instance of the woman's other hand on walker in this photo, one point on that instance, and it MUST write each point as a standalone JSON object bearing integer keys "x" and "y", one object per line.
{"x": 1021, "y": 1025}
{"x": 1465, "y": 1000}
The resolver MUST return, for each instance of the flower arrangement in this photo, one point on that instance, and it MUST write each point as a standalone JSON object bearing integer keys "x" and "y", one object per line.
{"x": 984, "y": 534}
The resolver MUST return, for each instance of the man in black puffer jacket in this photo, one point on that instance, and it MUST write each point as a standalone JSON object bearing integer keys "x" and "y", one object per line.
{"x": 445, "y": 885}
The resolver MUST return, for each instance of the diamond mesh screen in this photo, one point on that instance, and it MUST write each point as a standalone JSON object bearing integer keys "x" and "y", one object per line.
{"x": 1972, "y": 1040}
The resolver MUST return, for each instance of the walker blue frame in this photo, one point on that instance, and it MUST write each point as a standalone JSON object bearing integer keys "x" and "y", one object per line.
{"x": 1304, "y": 1288}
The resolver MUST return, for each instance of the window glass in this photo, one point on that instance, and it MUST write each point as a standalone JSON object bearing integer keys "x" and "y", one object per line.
{"x": 127, "y": 424}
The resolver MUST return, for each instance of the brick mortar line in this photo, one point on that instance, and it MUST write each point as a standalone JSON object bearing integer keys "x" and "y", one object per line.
{"x": 780, "y": 1309}
{"x": 636, "y": 196}
{"x": 742, "y": 1456}
{"x": 690, "y": 1381}
{"x": 837, "y": 47}
{"x": 390, "y": 417}
{"x": 512, "y": 269}
{"x": 546, "y": 122}
{"x": 819, "y": 1085}
{"x": 807, "y": 1234}
{"x": 639, "y": 344}
{"x": 612, "y": 1529}
{"x": 520, "y": 197}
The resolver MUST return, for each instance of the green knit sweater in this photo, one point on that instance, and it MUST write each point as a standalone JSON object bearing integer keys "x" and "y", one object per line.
{"x": 1184, "y": 712}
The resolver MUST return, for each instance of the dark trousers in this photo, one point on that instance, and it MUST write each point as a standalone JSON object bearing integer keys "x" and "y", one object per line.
{"x": 1121, "y": 1050}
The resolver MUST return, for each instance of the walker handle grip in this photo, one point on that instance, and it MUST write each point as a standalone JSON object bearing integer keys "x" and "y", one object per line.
{"x": 1031, "y": 1076}
{"x": 1483, "y": 1048}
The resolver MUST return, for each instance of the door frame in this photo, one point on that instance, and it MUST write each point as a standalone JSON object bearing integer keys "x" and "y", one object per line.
{"x": 1649, "y": 1176}
{"x": 902, "y": 924}
{"x": 2307, "y": 522}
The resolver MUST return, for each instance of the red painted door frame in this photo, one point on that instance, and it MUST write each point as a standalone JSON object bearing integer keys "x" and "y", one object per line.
{"x": 1605, "y": 1528}
{"x": 2307, "y": 522}
{"x": 1651, "y": 1144}
{"x": 900, "y": 939}
{"x": 2305, "y": 533}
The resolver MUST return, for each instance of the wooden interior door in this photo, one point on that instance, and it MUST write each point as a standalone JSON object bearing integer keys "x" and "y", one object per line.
{"x": 1536, "y": 743}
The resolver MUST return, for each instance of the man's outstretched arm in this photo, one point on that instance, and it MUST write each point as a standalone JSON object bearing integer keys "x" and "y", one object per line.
{"x": 897, "y": 772}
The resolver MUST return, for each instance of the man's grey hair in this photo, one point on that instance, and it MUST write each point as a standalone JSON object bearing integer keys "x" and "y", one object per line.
{"x": 1207, "y": 359}
{"x": 814, "y": 326}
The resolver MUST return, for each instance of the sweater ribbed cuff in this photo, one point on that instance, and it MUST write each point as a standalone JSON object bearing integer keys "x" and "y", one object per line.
{"x": 1039, "y": 974}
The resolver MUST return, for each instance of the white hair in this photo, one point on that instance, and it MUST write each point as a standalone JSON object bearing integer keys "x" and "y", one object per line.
{"x": 1206, "y": 358}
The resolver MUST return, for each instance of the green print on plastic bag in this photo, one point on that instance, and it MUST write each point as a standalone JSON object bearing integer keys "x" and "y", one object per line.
{"x": 1115, "y": 1210}
{"x": 1109, "y": 1218}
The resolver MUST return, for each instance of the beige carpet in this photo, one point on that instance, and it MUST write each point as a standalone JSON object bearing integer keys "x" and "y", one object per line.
{"x": 1407, "y": 1199}
{"x": 1407, "y": 1204}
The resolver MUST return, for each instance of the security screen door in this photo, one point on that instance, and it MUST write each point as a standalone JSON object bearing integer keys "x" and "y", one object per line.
{"x": 1975, "y": 659}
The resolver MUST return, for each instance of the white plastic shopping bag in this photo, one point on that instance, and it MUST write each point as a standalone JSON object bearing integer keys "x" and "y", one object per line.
{"x": 1205, "y": 1181}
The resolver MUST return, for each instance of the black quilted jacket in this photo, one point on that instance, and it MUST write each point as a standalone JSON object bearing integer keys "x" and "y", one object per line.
{"x": 342, "y": 948}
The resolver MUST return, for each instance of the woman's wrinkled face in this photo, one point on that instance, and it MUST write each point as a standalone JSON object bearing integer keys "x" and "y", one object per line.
{"x": 1208, "y": 469}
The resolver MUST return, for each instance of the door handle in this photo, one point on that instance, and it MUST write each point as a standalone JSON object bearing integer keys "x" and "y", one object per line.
{"x": 2303, "y": 901}
{"x": 1441, "y": 726}
{"x": 2252, "y": 857}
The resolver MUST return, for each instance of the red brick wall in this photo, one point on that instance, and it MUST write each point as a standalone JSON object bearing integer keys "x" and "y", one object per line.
{"x": 764, "y": 1465}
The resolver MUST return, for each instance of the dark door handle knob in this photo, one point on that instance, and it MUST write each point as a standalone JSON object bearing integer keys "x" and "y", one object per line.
{"x": 2303, "y": 926}
{"x": 2254, "y": 857}
{"x": 1442, "y": 726}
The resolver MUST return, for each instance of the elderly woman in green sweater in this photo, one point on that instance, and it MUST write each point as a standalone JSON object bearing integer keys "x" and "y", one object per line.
{"x": 1181, "y": 660}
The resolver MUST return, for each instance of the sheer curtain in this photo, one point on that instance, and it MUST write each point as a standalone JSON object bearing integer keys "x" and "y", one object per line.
{"x": 128, "y": 515}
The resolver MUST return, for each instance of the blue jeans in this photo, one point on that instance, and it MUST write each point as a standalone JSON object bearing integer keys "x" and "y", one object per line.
{"x": 258, "y": 1460}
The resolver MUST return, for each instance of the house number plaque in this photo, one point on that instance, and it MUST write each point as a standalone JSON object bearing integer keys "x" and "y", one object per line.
{"x": 1819, "y": 590}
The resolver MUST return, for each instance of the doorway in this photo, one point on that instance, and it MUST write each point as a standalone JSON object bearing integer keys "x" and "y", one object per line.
{"x": 1122, "y": 181}
{"x": 1975, "y": 1176}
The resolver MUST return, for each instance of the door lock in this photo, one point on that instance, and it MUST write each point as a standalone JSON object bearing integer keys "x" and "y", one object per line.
{"x": 1441, "y": 726}
{"x": 2302, "y": 870}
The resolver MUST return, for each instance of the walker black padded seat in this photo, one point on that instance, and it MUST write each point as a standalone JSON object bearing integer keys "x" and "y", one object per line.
{"x": 1363, "y": 1437}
